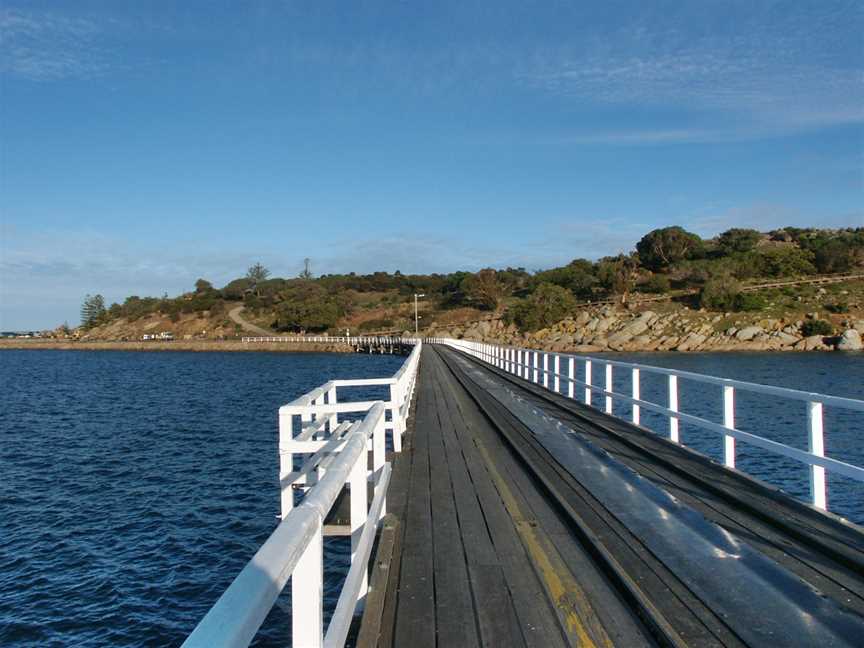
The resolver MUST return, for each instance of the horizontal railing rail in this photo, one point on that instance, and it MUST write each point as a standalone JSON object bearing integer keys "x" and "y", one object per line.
{"x": 561, "y": 369}
{"x": 335, "y": 454}
{"x": 352, "y": 340}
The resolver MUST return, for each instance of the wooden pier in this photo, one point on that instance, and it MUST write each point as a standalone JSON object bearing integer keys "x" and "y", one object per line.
{"x": 501, "y": 545}
{"x": 514, "y": 509}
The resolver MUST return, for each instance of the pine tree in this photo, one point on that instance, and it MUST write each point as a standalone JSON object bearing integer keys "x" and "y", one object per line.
{"x": 92, "y": 310}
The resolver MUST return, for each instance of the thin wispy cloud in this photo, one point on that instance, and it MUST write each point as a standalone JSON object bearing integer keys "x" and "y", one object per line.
{"x": 799, "y": 95}
{"x": 796, "y": 69}
{"x": 48, "y": 46}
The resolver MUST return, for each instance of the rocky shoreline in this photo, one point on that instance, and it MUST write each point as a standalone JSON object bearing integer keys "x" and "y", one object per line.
{"x": 615, "y": 329}
{"x": 175, "y": 345}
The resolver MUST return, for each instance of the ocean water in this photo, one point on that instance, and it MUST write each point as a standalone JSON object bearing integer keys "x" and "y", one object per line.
{"x": 135, "y": 486}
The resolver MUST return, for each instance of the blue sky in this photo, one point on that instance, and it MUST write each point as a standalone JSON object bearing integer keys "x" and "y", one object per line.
{"x": 145, "y": 145}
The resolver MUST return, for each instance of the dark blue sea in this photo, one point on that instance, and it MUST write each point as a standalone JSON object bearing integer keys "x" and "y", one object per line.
{"x": 135, "y": 486}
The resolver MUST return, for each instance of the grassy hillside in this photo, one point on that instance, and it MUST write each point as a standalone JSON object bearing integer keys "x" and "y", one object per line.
{"x": 672, "y": 263}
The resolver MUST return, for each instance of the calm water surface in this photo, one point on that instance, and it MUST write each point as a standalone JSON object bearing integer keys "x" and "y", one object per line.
{"x": 135, "y": 486}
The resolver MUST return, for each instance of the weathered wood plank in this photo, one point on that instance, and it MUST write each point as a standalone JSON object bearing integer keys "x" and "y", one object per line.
{"x": 496, "y": 614}
{"x": 373, "y": 613}
{"x": 536, "y": 613}
{"x": 415, "y": 615}
{"x": 454, "y": 608}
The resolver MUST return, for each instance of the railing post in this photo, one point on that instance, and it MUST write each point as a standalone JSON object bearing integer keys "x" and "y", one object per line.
{"x": 571, "y": 374}
{"x": 378, "y": 455}
{"x": 556, "y": 368}
{"x": 536, "y": 366}
{"x": 816, "y": 445}
{"x": 635, "y": 392}
{"x": 519, "y": 362}
{"x": 608, "y": 388}
{"x": 286, "y": 461}
{"x": 546, "y": 370}
{"x": 359, "y": 503}
{"x": 307, "y": 595}
{"x": 334, "y": 417}
{"x": 395, "y": 403}
{"x": 587, "y": 382}
{"x": 729, "y": 422}
{"x": 673, "y": 405}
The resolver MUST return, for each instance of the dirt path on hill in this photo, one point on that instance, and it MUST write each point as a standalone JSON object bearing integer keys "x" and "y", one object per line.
{"x": 234, "y": 315}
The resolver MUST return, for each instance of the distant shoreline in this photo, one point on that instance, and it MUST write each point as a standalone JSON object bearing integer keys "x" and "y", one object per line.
{"x": 175, "y": 345}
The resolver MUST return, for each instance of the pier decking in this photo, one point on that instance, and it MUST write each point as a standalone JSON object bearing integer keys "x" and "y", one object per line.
{"x": 502, "y": 545}
{"x": 485, "y": 559}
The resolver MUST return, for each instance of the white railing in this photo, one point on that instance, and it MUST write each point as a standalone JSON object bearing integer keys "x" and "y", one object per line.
{"x": 534, "y": 365}
{"x": 336, "y": 454}
{"x": 352, "y": 340}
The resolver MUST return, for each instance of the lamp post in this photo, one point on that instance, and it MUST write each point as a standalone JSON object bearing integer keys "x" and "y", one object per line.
{"x": 416, "y": 317}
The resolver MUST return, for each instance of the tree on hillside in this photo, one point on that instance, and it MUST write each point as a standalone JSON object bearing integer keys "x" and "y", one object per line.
{"x": 92, "y": 310}
{"x": 237, "y": 288}
{"x": 577, "y": 276}
{"x": 203, "y": 286}
{"x": 307, "y": 307}
{"x": 738, "y": 239}
{"x": 307, "y": 269}
{"x": 545, "y": 306}
{"x": 785, "y": 262}
{"x": 484, "y": 289}
{"x": 257, "y": 273}
{"x": 835, "y": 255}
{"x": 618, "y": 274}
{"x": 660, "y": 248}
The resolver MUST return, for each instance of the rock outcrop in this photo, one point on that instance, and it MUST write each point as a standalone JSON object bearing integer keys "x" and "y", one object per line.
{"x": 849, "y": 341}
{"x": 596, "y": 329}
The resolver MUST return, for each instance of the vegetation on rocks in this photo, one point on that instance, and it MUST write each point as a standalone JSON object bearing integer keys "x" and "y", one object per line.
{"x": 720, "y": 275}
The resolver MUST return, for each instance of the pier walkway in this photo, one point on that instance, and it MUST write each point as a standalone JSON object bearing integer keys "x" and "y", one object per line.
{"x": 493, "y": 499}
{"x": 517, "y": 532}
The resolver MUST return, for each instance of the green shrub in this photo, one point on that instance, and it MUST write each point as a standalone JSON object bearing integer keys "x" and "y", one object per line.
{"x": 376, "y": 324}
{"x": 661, "y": 248}
{"x": 785, "y": 262}
{"x": 546, "y": 305}
{"x": 749, "y": 302}
{"x": 816, "y": 327}
{"x": 720, "y": 294}
{"x": 658, "y": 283}
{"x": 738, "y": 240}
{"x": 837, "y": 307}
